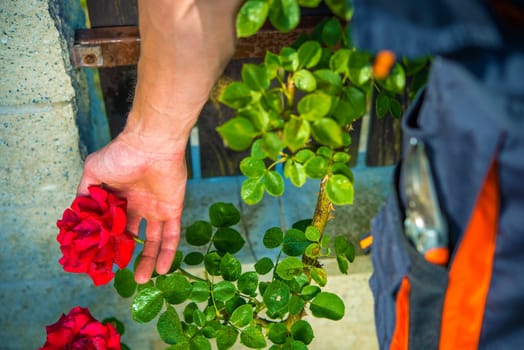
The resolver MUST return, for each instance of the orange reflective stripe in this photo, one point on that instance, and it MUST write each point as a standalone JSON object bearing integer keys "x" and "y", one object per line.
{"x": 401, "y": 332}
{"x": 366, "y": 242}
{"x": 470, "y": 272}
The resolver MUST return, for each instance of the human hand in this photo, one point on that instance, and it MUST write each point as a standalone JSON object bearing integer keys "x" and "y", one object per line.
{"x": 153, "y": 180}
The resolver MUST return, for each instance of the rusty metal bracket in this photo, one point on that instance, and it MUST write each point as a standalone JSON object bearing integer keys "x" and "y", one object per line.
{"x": 120, "y": 46}
{"x": 106, "y": 47}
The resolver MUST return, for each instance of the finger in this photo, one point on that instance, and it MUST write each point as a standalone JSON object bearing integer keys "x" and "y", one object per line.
{"x": 133, "y": 224}
{"x": 86, "y": 180}
{"x": 147, "y": 262}
{"x": 170, "y": 239}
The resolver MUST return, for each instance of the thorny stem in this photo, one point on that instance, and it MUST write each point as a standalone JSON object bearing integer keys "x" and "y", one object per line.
{"x": 321, "y": 216}
{"x": 323, "y": 208}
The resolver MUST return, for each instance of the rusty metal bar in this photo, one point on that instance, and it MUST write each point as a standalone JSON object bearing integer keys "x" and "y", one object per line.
{"x": 106, "y": 47}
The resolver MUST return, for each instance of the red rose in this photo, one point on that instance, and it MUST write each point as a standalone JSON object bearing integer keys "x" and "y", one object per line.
{"x": 93, "y": 235}
{"x": 80, "y": 331}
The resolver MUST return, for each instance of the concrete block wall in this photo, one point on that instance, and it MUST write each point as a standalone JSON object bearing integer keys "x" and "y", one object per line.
{"x": 43, "y": 102}
{"x": 49, "y": 119}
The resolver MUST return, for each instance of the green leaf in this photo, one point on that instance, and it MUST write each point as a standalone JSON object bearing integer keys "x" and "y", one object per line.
{"x": 296, "y": 305}
{"x": 251, "y": 17}
{"x": 242, "y": 316}
{"x": 305, "y": 80}
{"x": 327, "y": 132}
{"x": 255, "y": 76}
{"x": 264, "y": 265}
{"x": 257, "y": 152}
{"x": 313, "y": 250}
{"x": 325, "y": 152}
{"x": 339, "y": 190}
{"x": 289, "y": 59}
{"x": 234, "y": 303}
{"x": 248, "y": 283}
{"x": 316, "y": 167}
{"x": 332, "y": 32}
{"x": 319, "y": 275}
{"x": 199, "y": 233}
{"x": 278, "y": 333}
{"x": 274, "y": 183}
{"x": 272, "y": 145}
{"x": 253, "y": 338}
{"x": 327, "y": 305}
{"x": 199, "y": 342}
{"x": 252, "y": 167}
{"x": 199, "y": 318}
{"x": 339, "y": 61}
{"x": 124, "y": 283}
{"x": 276, "y": 296}
{"x": 228, "y": 240}
{"x": 230, "y": 268}
{"x": 284, "y": 14}
{"x": 272, "y": 62}
{"x": 309, "y": 3}
{"x": 341, "y": 157}
{"x": 257, "y": 115}
{"x": 313, "y": 234}
{"x": 212, "y": 263}
{"x": 236, "y": 95}
{"x": 342, "y": 8}
{"x": 309, "y": 54}
{"x": 382, "y": 104}
{"x": 396, "y": 80}
{"x": 224, "y": 291}
{"x": 252, "y": 190}
{"x": 304, "y": 155}
{"x": 238, "y": 133}
{"x": 199, "y": 291}
{"x": 194, "y": 258}
{"x": 395, "y": 108}
{"x": 289, "y": 268}
{"x": 273, "y": 237}
{"x": 360, "y": 70}
{"x": 147, "y": 304}
{"x": 179, "y": 256}
{"x": 295, "y": 242}
{"x": 223, "y": 214}
{"x": 189, "y": 312}
{"x": 343, "y": 264}
{"x": 309, "y": 292}
{"x": 349, "y": 253}
{"x": 328, "y": 81}
{"x": 314, "y": 106}
{"x": 119, "y": 326}
{"x": 295, "y": 172}
{"x": 169, "y": 327}
{"x": 176, "y": 289}
{"x": 302, "y": 331}
{"x": 226, "y": 338}
{"x": 275, "y": 101}
{"x": 296, "y": 133}
{"x": 340, "y": 244}
{"x": 351, "y": 106}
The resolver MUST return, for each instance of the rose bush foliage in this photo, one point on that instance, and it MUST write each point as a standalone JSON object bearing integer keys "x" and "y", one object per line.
{"x": 78, "y": 330}
{"x": 93, "y": 235}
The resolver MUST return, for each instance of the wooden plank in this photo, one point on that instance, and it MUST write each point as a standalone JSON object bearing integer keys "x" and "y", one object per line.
{"x": 119, "y": 44}
{"x": 117, "y": 83}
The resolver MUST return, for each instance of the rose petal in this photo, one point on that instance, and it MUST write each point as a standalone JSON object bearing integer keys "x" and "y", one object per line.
{"x": 100, "y": 196}
{"x": 119, "y": 220}
{"x": 124, "y": 251}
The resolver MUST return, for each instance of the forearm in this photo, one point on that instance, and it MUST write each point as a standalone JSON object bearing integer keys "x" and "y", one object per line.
{"x": 185, "y": 47}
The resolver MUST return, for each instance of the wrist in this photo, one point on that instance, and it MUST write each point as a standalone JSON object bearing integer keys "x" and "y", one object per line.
{"x": 155, "y": 131}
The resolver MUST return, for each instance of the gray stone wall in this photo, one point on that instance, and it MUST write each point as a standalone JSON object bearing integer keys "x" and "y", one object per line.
{"x": 43, "y": 101}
